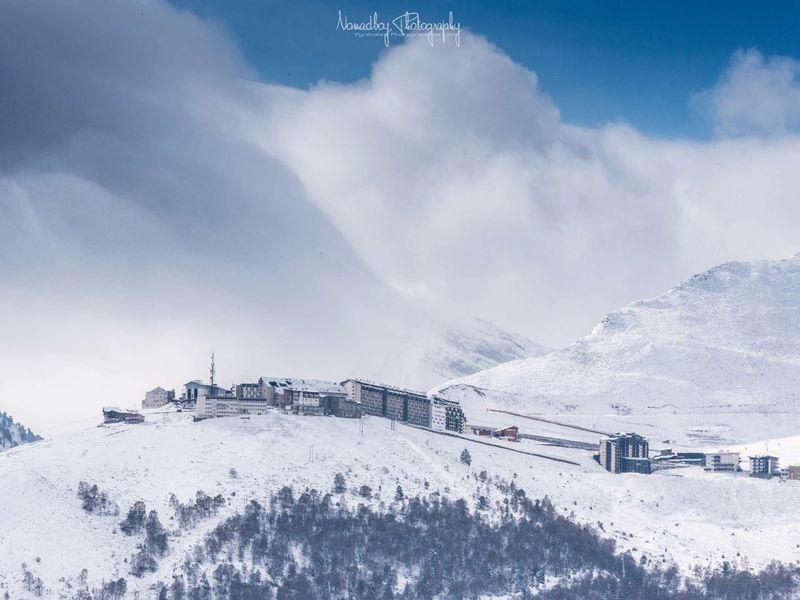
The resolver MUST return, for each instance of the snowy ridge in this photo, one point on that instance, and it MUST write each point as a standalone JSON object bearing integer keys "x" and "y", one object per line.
{"x": 726, "y": 340}
{"x": 13, "y": 434}
{"x": 446, "y": 349}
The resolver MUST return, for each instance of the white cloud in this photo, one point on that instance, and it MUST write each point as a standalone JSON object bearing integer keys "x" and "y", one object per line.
{"x": 755, "y": 95}
{"x": 140, "y": 226}
{"x": 453, "y": 176}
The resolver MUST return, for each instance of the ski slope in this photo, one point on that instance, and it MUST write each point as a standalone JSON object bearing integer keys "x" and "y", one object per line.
{"x": 686, "y": 515}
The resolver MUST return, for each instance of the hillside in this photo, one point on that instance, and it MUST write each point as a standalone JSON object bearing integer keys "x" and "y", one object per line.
{"x": 13, "y": 434}
{"x": 727, "y": 340}
{"x": 663, "y": 516}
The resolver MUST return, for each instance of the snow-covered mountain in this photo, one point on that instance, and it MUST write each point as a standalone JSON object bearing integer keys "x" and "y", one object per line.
{"x": 437, "y": 350}
{"x": 13, "y": 434}
{"x": 726, "y": 340}
{"x": 245, "y": 459}
{"x": 474, "y": 345}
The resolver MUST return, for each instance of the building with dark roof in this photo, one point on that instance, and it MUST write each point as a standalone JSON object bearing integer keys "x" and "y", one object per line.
{"x": 765, "y": 466}
{"x": 625, "y": 453}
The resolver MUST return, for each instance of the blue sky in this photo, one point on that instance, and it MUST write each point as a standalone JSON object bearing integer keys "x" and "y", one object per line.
{"x": 600, "y": 61}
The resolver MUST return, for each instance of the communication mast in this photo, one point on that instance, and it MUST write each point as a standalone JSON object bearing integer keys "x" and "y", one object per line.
{"x": 213, "y": 372}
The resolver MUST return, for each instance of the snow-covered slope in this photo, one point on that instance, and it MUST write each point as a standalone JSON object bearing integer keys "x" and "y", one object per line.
{"x": 437, "y": 350}
{"x": 726, "y": 340}
{"x": 474, "y": 345}
{"x": 13, "y": 434}
{"x": 666, "y": 514}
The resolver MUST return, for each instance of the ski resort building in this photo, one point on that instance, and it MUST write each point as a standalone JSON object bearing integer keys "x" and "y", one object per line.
{"x": 209, "y": 406}
{"x": 157, "y": 397}
{"x": 508, "y": 433}
{"x": 301, "y": 396}
{"x": 625, "y": 453}
{"x": 405, "y": 405}
{"x": 112, "y": 414}
{"x": 247, "y": 390}
{"x": 245, "y": 399}
{"x": 765, "y": 466}
{"x": 193, "y": 389}
{"x": 391, "y": 402}
{"x": 722, "y": 461}
{"x": 352, "y": 398}
{"x": 341, "y": 407}
{"x": 483, "y": 430}
{"x": 793, "y": 472}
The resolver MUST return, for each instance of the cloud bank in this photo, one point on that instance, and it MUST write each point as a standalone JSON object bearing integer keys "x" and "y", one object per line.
{"x": 157, "y": 201}
{"x": 453, "y": 176}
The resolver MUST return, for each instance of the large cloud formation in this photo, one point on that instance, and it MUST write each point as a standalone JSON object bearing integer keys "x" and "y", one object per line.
{"x": 156, "y": 201}
{"x": 453, "y": 176}
{"x": 140, "y": 226}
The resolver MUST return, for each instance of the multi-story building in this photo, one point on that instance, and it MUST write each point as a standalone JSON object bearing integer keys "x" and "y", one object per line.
{"x": 158, "y": 397}
{"x": 224, "y": 404}
{"x": 454, "y": 418}
{"x": 193, "y": 389}
{"x": 247, "y": 390}
{"x": 447, "y": 415}
{"x": 764, "y": 466}
{"x": 391, "y": 402}
{"x": 341, "y": 407}
{"x": 722, "y": 461}
{"x": 303, "y": 396}
{"x": 625, "y": 453}
{"x": 793, "y": 472}
{"x": 438, "y": 416}
{"x": 405, "y": 405}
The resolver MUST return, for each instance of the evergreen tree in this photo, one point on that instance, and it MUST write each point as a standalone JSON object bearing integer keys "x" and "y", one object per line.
{"x": 339, "y": 484}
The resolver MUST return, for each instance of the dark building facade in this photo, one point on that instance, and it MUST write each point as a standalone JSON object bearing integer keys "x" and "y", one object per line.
{"x": 454, "y": 418}
{"x": 625, "y": 453}
{"x": 405, "y": 405}
{"x": 112, "y": 414}
{"x": 341, "y": 407}
{"x": 764, "y": 466}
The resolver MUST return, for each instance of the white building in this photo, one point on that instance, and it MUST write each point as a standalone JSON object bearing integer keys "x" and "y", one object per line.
{"x": 209, "y": 406}
{"x": 722, "y": 461}
{"x": 438, "y": 415}
{"x": 157, "y": 397}
{"x": 248, "y": 390}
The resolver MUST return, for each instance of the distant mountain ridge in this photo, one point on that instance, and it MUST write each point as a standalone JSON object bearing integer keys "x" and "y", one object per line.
{"x": 726, "y": 340}
{"x": 475, "y": 345}
{"x": 13, "y": 434}
{"x": 442, "y": 351}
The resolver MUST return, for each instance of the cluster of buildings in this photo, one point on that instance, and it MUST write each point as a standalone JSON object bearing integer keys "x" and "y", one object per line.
{"x": 352, "y": 398}
{"x": 630, "y": 453}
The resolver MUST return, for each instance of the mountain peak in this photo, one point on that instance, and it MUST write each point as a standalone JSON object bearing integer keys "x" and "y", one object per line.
{"x": 727, "y": 338}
